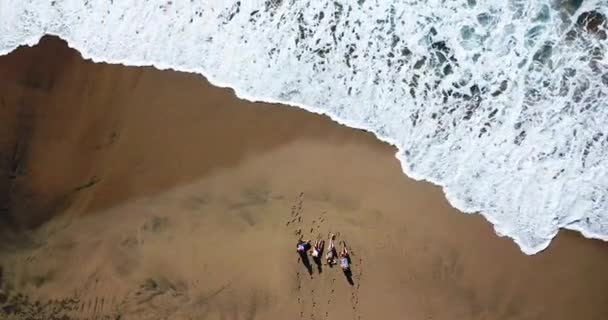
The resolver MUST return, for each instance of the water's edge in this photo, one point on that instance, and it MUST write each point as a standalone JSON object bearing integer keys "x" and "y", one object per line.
{"x": 242, "y": 94}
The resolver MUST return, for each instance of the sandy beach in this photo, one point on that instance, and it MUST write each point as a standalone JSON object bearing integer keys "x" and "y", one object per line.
{"x": 134, "y": 193}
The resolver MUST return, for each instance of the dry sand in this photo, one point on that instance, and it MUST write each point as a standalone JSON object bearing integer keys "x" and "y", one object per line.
{"x": 133, "y": 193}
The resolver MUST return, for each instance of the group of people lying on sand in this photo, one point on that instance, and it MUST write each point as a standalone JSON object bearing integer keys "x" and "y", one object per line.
{"x": 317, "y": 252}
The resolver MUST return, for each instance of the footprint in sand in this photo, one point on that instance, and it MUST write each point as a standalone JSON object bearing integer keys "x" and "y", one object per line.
{"x": 94, "y": 304}
{"x": 360, "y": 273}
{"x": 355, "y": 301}
{"x": 298, "y": 280}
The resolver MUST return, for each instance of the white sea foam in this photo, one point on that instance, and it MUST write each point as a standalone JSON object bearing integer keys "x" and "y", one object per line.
{"x": 501, "y": 102}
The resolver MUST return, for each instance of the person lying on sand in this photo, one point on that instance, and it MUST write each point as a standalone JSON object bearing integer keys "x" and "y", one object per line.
{"x": 331, "y": 251}
{"x": 303, "y": 246}
{"x": 344, "y": 258}
{"x": 317, "y": 250}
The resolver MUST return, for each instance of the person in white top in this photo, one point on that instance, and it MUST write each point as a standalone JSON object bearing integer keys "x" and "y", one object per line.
{"x": 344, "y": 258}
{"x": 331, "y": 251}
{"x": 317, "y": 250}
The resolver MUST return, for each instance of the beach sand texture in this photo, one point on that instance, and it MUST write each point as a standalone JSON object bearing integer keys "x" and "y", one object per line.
{"x": 134, "y": 193}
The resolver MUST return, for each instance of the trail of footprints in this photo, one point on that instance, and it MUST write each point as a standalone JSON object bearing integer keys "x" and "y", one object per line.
{"x": 296, "y": 216}
{"x": 354, "y": 294}
{"x": 310, "y": 307}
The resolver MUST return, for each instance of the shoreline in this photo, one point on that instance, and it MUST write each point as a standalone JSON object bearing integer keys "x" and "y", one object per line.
{"x": 240, "y": 93}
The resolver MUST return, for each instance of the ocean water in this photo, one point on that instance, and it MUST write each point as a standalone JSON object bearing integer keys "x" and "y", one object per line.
{"x": 503, "y": 103}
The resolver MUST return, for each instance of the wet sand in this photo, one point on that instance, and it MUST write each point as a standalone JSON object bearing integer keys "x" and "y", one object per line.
{"x": 133, "y": 193}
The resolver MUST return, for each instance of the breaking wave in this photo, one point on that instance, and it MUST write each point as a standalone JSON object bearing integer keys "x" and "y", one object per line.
{"x": 503, "y": 103}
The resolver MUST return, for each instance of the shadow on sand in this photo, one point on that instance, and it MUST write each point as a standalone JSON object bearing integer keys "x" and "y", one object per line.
{"x": 349, "y": 276}
{"x": 348, "y": 273}
{"x": 305, "y": 261}
{"x": 319, "y": 263}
